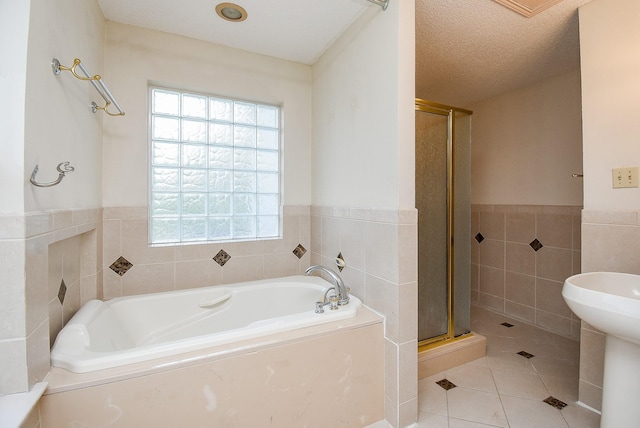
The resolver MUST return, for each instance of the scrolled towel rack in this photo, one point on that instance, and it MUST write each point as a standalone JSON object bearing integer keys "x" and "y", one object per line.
{"x": 95, "y": 80}
{"x": 63, "y": 168}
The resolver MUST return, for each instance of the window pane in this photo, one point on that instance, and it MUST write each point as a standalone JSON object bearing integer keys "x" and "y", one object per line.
{"x": 219, "y": 204}
{"x": 267, "y": 139}
{"x": 194, "y": 106}
{"x": 221, "y": 157}
{"x": 220, "y": 109}
{"x": 244, "y": 113}
{"x": 220, "y": 228}
{"x": 244, "y": 182}
{"x": 268, "y": 182}
{"x": 194, "y": 130}
{"x": 165, "y": 204}
{"x": 194, "y": 203}
{"x": 165, "y": 128}
{"x": 244, "y": 159}
{"x": 165, "y": 102}
{"x": 194, "y": 180}
{"x": 244, "y": 136}
{"x": 167, "y": 154}
{"x": 244, "y": 204}
{"x": 194, "y": 155}
{"x": 220, "y": 181}
{"x": 268, "y": 116}
{"x": 220, "y": 133}
{"x": 267, "y": 226}
{"x": 244, "y": 227}
{"x": 194, "y": 229}
{"x": 165, "y": 230}
{"x": 267, "y": 204}
{"x": 267, "y": 160}
{"x": 166, "y": 179}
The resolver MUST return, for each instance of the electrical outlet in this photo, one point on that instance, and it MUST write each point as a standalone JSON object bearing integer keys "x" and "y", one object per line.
{"x": 625, "y": 177}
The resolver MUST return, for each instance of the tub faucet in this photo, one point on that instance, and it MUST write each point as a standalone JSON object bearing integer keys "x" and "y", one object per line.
{"x": 341, "y": 289}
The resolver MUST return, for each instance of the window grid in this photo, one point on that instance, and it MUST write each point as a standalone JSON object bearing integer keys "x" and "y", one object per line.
{"x": 215, "y": 173}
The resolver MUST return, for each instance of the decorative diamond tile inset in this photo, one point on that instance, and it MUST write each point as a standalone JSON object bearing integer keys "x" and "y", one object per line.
{"x": 62, "y": 291}
{"x": 479, "y": 237}
{"x": 526, "y": 354}
{"x": 554, "y": 402}
{"x": 121, "y": 266}
{"x": 299, "y": 251}
{"x": 340, "y": 262}
{"x": 446, "y": 384}
{"x": 535, "y": 244}
{"x": 506, "y": 324}
{"x": 222, "y": 257}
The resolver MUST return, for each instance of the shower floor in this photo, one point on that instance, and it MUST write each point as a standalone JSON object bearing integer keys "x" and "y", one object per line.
{"x": 529, "y": 378}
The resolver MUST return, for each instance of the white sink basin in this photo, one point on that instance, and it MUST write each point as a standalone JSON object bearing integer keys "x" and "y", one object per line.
{"x": 609, "y": 301}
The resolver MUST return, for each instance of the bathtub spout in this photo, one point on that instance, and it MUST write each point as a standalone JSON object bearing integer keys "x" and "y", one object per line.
{"x": 341, "y": 289}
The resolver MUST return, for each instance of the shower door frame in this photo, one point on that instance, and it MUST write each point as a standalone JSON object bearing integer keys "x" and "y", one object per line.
{"x": 450, "y": 112}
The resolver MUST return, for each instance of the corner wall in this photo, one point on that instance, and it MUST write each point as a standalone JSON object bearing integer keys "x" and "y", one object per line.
{"x": 610, "y": 62}
{"x": 363, "y": 182}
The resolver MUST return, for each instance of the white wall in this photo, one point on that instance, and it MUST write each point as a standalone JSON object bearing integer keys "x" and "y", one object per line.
{"x": 137, "y": 57}
{"x": 14, "y": 26}
{"x": 609, "y": 39}
{"x": 59, "y": 124}
{"x": 527, "y": 143}
{"x": 364, "y": 120}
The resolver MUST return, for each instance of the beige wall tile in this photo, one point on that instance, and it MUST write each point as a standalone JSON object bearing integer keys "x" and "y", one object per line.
{"x": 72, "y": 301}
{"x": 523, "y": 312}
{"x": 554, "y": 263}
{"x": 592, "y": 357}
{"x": 13, "y": 360}
{"x": 290, "y": 236}
{"x": 381, "y": 246}
{"x": 391, "y": 371}
{"x": 475, "y": 277}
{"x": 492, "y": 253}
{"x": 491, "y": 281}
{"x": 520, "y": 258}
{"x": 71, "y": 259}
{"x": 408, "y": 371}
{"x": 37, "y": 284}
{"x": 590, "y": 395}
{"x": 111, "y": 241}
{"x": 408, "y": 312}
{"x": 555, "y": 230}
{"x": 283, "y": 264}
{"x": 38, "y": 362}
{"x": 382, "y": 296}
{"x": 492, "y": 225}
{"x": 521, "y": 289}
{"x": 55, "y": 320}
{"x": 407, "y": 253}
{"x": 491, "y": 302}
{"x": 55, "y": 268}
{"x": 243, "y": 268}
{"x": 135, "y": 244}
{"x": 521, "y": 227}
{"x": 577, "y": 232}
{"x": 554, "y": 323}
{"x": 88, "y": 288}
{"x": 549, "y": 298}
{"x": 617, "y": 249}
{"x": 143, "y": 279}
{"x": 197, "y": 273}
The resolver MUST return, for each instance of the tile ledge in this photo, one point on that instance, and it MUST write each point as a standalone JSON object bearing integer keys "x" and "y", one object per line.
{"x": 14, "y": 408}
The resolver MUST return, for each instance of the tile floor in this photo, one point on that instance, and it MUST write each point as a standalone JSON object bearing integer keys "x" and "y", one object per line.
{"x": 505, "y": 389}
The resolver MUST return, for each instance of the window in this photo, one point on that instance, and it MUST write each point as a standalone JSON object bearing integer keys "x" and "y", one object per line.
{"x": 215, "y": 168}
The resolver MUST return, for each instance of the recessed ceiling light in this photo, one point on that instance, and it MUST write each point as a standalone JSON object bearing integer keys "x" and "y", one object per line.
{"x": 231, "y": 12}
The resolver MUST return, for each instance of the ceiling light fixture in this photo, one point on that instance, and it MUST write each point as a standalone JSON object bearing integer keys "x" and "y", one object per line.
{"x": 231, "y": 12}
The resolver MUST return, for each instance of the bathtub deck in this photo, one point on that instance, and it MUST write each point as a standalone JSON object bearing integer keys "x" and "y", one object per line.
{"x": 283, "y": 380}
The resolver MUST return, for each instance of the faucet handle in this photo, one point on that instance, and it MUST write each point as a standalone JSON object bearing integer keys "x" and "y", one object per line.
{"x": 333, "y": 300}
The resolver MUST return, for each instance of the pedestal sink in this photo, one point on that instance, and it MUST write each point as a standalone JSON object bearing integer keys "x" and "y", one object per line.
{"x": 610, "y": 302}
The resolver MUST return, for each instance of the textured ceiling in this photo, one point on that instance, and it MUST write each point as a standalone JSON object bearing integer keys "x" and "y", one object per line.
{"x": 466, "y": 50}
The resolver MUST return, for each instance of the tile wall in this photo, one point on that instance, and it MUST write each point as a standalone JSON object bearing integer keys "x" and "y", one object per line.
{"x": 521, "y": 256}
{"x": 612, "y": 243}
{"x": 380, "y": 251}
{"x": 130, "y": 266}
{"x": 27, "y": 244}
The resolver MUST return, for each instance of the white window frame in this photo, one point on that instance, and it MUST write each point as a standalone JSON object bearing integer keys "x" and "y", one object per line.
{"x": 185, "y": 169}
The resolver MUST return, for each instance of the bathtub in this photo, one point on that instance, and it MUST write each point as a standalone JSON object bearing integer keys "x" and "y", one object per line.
{"x": 127, "y": 330}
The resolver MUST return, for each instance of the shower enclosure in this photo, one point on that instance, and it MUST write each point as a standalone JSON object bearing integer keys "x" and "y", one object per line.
{"x": 443, "y": 173}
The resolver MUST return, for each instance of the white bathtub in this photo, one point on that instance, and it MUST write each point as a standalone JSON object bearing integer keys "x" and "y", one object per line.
{"x": 134, "y": 329}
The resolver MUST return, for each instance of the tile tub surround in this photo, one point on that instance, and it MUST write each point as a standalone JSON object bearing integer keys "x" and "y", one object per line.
{"x": 521, "y": 256}
{"x": 25, "y": 243}
{"x": 611, "y": 243}
{"x": 327, "y": 375}
{"x": 379, "y": 248}
{"x": 148, "y": 269}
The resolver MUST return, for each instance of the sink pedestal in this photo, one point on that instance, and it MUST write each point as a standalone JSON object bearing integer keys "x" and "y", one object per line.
{"x": 621, "y": 387}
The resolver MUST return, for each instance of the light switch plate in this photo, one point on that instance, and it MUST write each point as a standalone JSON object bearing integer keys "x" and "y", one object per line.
{"x": 625, "y": 177}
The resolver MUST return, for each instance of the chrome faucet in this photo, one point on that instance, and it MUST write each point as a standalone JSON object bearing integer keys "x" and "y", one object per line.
{"x": 341, "y": 289}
